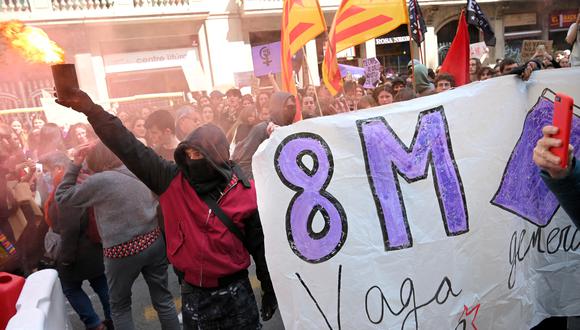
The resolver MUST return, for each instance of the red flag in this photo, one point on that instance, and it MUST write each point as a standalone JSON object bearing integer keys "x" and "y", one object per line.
{"x": 457, "y": 61}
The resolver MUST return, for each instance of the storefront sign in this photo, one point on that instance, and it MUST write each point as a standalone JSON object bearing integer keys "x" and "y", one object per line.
{"x": 266, "y": 59}
{"x": 425, "y": 214}
{"x": 138, "y": 61}
{"x": 529, "y": 48}
{"x": 392, "y": 40}
{"x": 520, "y": 19}
{"x": 563, "y": 18}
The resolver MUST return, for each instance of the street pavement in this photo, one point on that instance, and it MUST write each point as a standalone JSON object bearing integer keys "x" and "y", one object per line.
{"x": 144, "y": 315}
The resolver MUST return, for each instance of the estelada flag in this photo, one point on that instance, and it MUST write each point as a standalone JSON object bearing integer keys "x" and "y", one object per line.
{"x": 355, "y": 22}
{"x": 457, "y": 60}
{"x": 302, "y": 21}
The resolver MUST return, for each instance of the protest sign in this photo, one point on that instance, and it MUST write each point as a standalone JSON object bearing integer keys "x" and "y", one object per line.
{"x": 352, "y": 71}
{"x": 529, "y": 47}
{"x": 425, "y": 214}
{"x": 477, "y": 50}
{"x": 266, "y": 59}
{"x": 62, "y": 116}
{"x": 372, "y": 72}
{"x": 243, "y": 79}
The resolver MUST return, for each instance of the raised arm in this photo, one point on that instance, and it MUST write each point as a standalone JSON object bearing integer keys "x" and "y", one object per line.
{"x": 70, "y": 194}
{"x": 154, "y": 171}
{"x": 573, "y": 31}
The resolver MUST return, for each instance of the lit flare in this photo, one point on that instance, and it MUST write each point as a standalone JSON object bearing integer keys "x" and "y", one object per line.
{"x": 31, "y": 42}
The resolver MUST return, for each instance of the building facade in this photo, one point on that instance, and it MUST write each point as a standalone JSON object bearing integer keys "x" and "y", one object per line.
{"x": 133, "y": 47}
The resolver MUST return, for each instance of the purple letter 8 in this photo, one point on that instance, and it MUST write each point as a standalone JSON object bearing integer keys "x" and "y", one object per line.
{"x": 311, "y": 197}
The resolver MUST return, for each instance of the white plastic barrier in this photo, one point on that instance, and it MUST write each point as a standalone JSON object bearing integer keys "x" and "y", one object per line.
{"x": 41, "y": 304}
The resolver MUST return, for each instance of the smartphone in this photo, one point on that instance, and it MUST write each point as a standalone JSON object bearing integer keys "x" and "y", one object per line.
{"x": 38, "y": 168}
{"x": 563, "y": 112}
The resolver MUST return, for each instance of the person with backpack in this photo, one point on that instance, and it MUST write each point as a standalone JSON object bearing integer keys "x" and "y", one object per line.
{"x": 211, "y": 219}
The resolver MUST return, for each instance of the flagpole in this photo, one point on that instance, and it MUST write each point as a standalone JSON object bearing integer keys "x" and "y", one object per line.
{"x": 310, "y": 80}
{"x": 411, "y": 51}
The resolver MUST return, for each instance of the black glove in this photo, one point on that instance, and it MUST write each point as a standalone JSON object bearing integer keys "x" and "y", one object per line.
{"x": 77, "y": 100}
{"x": 269, "y": 305}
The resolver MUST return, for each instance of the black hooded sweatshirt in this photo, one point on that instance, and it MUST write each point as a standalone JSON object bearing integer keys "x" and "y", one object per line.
{"x": 246, "y": 149}
{"x": 160, "y": 176}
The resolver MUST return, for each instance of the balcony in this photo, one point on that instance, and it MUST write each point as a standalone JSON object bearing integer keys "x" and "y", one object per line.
{"x": 97, "y": 10}
{"x": 275, "y": 6}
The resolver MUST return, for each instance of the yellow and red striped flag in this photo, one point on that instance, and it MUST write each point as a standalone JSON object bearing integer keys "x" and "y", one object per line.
{"x": 355, "y": 22}
{"x": 302, "y": 21}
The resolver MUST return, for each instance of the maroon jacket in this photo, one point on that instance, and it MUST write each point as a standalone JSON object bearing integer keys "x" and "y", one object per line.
{"x": 198, "y": 243}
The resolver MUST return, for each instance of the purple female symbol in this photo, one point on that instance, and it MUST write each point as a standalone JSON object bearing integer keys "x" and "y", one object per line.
{"x": 310, "y": 198}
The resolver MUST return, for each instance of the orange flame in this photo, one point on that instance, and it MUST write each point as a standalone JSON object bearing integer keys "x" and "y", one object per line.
{"x": 32, "y": 43}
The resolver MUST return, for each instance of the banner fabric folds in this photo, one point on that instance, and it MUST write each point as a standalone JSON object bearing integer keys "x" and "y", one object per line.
{"x": 425, "y": 214}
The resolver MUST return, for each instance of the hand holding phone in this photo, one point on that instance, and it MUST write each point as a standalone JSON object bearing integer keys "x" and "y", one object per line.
{"x": 563, "y": 121}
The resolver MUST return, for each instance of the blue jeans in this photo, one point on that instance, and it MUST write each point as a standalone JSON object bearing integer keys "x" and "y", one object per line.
{"x": 73, "y": 290}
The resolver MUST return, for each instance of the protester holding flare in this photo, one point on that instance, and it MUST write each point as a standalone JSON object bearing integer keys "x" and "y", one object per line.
{"x": 198, "y": 194}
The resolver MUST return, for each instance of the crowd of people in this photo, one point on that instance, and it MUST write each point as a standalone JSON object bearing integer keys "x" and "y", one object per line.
{"x": 132, "y": 192}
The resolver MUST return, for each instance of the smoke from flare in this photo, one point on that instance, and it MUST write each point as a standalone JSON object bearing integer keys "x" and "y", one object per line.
{"x": 32, "y": 43}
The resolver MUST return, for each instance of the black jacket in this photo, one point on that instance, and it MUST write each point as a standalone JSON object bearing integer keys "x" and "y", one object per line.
{"x": 79, "y": 258}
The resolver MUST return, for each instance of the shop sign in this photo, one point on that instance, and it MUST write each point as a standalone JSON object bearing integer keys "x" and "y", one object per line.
{"x": 529, "y": 48}
{"x": 137, "y": 61}
{"x": 563, "y": 18}
{"x": 520, "y": 19}
{"x": 392, "y": 40}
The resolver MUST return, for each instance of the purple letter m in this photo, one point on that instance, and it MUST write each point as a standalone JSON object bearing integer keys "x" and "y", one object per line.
{"x": 386, "y": 156}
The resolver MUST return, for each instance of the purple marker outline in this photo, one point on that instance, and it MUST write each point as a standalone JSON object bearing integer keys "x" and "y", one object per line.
{"x": 310, "y": 198}
{"x": 457, "y": 222}
{"x": 537, "y": 205}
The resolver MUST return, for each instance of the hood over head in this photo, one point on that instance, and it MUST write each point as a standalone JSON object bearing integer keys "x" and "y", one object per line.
{"x": 278, "y": 112}
{"x": 210, "y": 141}
{"x": 421, "y": 78}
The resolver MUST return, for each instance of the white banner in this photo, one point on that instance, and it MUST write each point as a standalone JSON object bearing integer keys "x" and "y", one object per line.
{"x": 426, "y": 214}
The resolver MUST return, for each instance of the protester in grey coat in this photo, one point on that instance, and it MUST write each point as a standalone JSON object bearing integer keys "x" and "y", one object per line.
{"x": 126, "y": 213}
